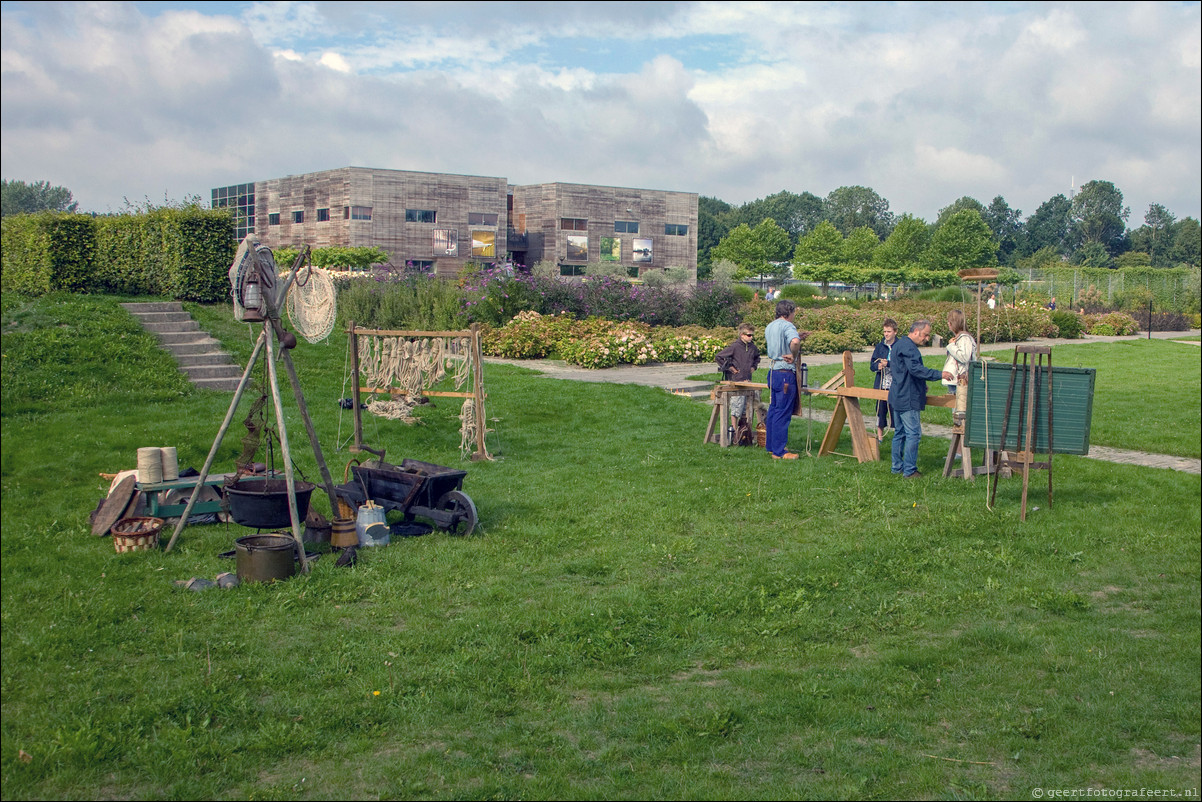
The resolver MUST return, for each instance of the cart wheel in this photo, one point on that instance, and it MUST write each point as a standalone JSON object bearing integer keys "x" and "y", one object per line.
{"x": 463, "y": 512}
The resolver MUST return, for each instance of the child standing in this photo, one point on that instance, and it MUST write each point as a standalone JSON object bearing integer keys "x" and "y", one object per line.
{"x": 737, "y": 362}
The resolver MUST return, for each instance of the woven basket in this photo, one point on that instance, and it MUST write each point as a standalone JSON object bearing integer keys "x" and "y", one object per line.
{"x": 761, "y": 435}
{"x": 136, "y": 534}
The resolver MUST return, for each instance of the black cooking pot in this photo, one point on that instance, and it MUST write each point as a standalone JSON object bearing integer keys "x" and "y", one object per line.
{"x": 263, "y": 503}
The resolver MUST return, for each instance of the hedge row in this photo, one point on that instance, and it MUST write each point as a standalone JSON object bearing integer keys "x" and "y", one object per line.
{"x": 183, "y": 254}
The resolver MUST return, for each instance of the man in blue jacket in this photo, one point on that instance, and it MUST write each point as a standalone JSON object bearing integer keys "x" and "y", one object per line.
{"x": 908, "y": 396}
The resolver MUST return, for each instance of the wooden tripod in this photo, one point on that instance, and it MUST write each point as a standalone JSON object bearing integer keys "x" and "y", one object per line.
{"x": 264, "y": 346}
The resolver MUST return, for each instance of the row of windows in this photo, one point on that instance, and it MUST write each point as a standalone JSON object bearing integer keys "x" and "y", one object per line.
{"x": 323, "y": 215}
{"x": 621, "y": 226}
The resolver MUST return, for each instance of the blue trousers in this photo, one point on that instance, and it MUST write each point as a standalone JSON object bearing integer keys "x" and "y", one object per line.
{"x": 907, "y": 434}
{"x": 783, "y": 385}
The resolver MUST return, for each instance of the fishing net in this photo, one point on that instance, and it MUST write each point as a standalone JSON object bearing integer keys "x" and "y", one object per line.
{"x": 312, "y": 304}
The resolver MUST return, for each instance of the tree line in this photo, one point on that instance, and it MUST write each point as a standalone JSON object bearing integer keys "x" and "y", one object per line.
{"x": 851, "y": 233}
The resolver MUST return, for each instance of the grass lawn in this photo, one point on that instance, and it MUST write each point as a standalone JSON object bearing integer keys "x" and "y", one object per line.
{"x": 638, "y": 616}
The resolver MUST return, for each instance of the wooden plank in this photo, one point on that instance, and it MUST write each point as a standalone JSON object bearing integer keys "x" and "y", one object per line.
{"x": 833, "y": 429}
{"x": 864, "y": 451}
{"x": 941, "y": 400}
{"x": 389, "y": 333}
{"x": 424, "y": 394}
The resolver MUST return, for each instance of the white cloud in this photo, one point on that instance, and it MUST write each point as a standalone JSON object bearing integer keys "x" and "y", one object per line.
{"x": 923, "y": 102}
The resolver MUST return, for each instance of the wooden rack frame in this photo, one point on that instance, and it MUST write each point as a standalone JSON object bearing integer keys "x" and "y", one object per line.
{"x": 474, "y": 353}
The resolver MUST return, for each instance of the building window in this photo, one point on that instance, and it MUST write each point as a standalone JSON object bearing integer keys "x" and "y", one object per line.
{"x": 323, "y": 215}
{"x": 363, "y": 213}
{"x": 573, "y": 224}
{"x": 273, "y": 219}
{"x": 420, "y": 216}
{"x": 419, "y": 266}
{"x": 481, "y": 219}
{"x": 626, "y": 227}
{"x": 239, "y": 198}
{"x": 571, "y": 270}
{"x": 676, "y": 230}
{"x": 633, "y": 272}
{"x": 298, "y": 217}
{"x": 484, "y": 244}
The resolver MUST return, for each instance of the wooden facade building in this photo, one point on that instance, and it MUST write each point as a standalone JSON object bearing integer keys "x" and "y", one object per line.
{"x": 436, "y": 222}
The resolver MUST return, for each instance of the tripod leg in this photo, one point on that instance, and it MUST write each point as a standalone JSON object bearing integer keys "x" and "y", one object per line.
{"x": 288, "y": 477}
{"x": 304, "y": 411}
{"x": 225, "y": 425}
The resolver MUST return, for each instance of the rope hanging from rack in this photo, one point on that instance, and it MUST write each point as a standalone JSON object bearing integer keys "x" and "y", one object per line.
{"x": 416, "y": 365}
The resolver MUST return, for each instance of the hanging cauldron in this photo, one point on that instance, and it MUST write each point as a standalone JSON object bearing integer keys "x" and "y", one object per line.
{"x": 263, "y": 503}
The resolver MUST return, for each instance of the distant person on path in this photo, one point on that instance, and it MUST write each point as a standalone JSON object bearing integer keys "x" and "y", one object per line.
{"x": 772, "y": 294}
{"x": 884, "y": 378}
{"x": 737, "y": 362}
{"x": 991, "y": 301}
{"x": 783, "y": 343}
{"x": 1052, "y": 304}
{"x": 961, "y": 349}
{"x": 908, "y": 396}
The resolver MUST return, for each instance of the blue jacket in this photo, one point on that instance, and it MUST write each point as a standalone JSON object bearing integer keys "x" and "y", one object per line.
{"x": 910, "y": 377}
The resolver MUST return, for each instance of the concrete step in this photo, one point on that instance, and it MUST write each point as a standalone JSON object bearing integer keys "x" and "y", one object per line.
{"x": 213, "y": 372}
{"x": 156, "y": 306}
{"x": 182, "y": 337}
{"x": 187, "y": 324}
{"x": 205, "y": 346}
{"x": 163, "y": 317}
{"x": 217, "y": 384}
{"x": 199, "y": 360}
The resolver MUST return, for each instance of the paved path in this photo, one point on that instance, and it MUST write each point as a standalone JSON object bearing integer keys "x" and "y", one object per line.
{"x": 674, "y": 377}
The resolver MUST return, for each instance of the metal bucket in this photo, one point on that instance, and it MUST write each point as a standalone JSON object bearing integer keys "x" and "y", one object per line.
{"x": 265, "y": 558}
{"x": 263, "y": 503}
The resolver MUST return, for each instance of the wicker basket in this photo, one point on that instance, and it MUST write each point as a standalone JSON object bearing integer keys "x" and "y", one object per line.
{"x": 136, "y": 534}
{"x": 761, "y": 435}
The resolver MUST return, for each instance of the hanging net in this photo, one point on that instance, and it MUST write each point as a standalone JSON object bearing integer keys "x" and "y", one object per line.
{"x": 312, "y": 304}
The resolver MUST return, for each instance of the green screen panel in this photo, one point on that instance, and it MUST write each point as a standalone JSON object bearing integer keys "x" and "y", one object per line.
{"x": 1072, "y": 407}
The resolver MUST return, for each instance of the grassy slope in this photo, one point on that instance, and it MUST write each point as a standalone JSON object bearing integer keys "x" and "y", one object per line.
{"x": 642, "y": 615}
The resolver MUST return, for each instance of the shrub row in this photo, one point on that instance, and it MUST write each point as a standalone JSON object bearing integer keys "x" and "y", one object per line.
{"x": 600, "y": 343}
{"x": 180, "y": 253}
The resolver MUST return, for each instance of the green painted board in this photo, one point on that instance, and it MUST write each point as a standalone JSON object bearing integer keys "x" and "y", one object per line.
{"x": 1072, "y": 407}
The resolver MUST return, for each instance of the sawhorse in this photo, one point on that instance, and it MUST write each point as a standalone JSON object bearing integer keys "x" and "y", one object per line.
{"x": 722, "y": 394}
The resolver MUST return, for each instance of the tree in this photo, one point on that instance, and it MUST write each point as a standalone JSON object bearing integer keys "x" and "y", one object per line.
{"x": 964, "y": 241}
{"x": 848, "y": 208}
{"x": 1098, "y": 215}
{"x": 1187, "y": 243}
{"x": 1159, "y": 222}
{"x": 1007, "y": 227}
{"x": 1092, "y": 254}
{"x": 711, "y": 227}
{"x": 1048, "y": 227}
{"x": 904, "y": 245}
{"x": 959, "y": 205}
{"x": 796, "y": 214}
{"x": 17, "y": 197}
{"x": 821, "y": 247}
{"x": 860, "y": 245}
{"x": 757, "y": 251}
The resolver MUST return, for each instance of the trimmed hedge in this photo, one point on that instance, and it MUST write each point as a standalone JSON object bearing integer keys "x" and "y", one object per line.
{"x": 183, "y": 254}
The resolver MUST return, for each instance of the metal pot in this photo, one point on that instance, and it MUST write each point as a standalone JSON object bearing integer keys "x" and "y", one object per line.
{"x": 263, "y": 503}
{"x": 265, "y": 558}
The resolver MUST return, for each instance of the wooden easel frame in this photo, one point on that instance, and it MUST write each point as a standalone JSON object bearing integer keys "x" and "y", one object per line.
{"x": 723, "y": 392}
{"x": 1025, "y": 457}
{"x": 475, "y": 354}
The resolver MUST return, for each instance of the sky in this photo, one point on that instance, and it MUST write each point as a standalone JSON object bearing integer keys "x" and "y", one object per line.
{"x": 923, "y": 102}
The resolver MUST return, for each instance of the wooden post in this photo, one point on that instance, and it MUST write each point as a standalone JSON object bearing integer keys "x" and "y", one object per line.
{"x": 289, "y": 479}
{"x": 304, "y": 411}
{"x": 355, "y": 386}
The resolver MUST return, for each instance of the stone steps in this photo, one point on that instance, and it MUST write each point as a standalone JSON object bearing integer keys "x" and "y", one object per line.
{"x": 198, "y": 355}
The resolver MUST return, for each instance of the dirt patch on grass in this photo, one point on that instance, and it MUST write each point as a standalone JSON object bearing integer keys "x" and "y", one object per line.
{"x": 864, "y": 651}
{"x": 1147, "y": 759}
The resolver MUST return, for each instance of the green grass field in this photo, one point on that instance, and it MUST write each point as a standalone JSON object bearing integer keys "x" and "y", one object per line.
{"x": 638, "y": 616}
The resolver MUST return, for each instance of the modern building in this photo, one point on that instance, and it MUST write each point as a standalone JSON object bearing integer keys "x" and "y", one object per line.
{"x": 436, "y": 222}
